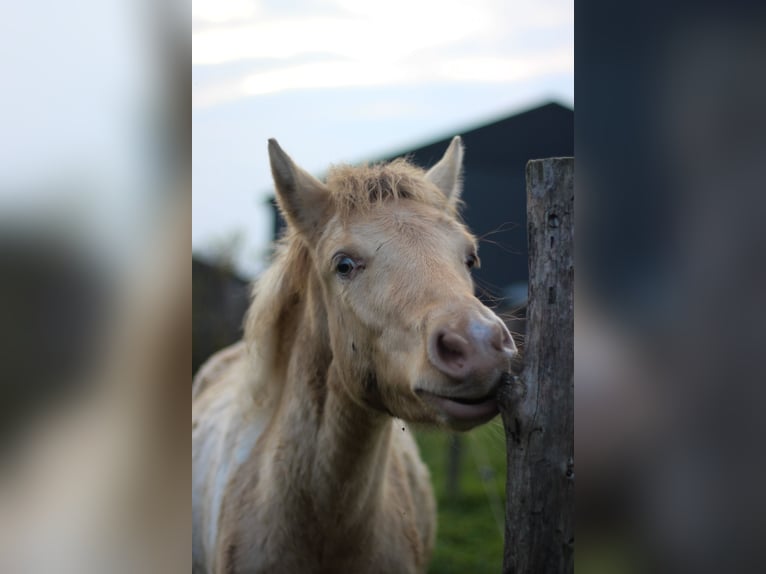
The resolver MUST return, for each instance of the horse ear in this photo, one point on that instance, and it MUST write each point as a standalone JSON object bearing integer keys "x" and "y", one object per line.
{"x": 302, "y": 198}
{"x": 447, "y": 174}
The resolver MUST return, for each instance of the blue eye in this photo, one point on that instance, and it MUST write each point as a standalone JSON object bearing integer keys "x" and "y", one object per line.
{"x": 344, "y": 266}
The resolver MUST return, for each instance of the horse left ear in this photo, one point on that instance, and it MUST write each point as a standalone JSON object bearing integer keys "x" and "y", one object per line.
{"x": 302, "y": 198}
{"x": 447, "y": 174}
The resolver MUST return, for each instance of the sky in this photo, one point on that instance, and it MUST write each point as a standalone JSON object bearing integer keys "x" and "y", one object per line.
{"x": 346, "y": 81}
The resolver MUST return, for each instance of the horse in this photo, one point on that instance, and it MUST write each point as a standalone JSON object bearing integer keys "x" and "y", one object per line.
{"x": 365, "y": 320}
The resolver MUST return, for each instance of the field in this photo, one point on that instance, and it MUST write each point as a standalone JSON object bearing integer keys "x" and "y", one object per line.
{"x": 470, "y": 532}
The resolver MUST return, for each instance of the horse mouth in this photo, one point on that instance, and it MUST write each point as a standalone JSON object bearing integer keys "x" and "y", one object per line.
{"x": 473, "y": 410}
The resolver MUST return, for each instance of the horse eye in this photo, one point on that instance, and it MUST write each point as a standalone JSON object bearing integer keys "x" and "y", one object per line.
{"x": 470, "y": 261}
{"x": 345, "y": 266}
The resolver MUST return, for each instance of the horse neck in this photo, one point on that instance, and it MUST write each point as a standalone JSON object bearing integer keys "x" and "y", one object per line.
{"x": 332, "y": 447}
{"x": 352, "y": 446}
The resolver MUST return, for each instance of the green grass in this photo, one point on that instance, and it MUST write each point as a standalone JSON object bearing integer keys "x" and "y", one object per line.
{"x": 469, "y": 537}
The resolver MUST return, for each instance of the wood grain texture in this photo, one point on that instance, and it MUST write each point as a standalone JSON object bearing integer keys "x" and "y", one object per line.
{"x": 537, "y": 407}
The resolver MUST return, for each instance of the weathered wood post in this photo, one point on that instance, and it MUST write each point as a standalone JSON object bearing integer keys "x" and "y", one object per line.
{"x": 537, "y": 407}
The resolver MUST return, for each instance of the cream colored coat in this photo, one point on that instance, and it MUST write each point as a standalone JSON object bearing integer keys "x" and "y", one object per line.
{"x": 301, "y": 461}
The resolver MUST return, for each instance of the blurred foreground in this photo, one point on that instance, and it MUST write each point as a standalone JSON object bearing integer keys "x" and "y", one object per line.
{"x": 95, "y": 212}
{"x": 669, "y": 318}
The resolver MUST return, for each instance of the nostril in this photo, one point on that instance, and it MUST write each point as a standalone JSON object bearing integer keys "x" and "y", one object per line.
{"x": 452, "y": 349}
{"x": 498, "y": 340}
{"x": 507, "y": 341}
{"x": 502, "y": 341}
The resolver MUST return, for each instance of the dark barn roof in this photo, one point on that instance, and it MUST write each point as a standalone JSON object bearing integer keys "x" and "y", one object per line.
{"x": 494, "y": 189}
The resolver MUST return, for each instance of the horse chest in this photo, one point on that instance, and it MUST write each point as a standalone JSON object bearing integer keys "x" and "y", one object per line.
{"x": 312, "y": 554}
{"x": 291, "y": 538}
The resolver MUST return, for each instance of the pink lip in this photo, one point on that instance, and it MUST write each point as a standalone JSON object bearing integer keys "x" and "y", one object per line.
{"x": 477, "y": 412}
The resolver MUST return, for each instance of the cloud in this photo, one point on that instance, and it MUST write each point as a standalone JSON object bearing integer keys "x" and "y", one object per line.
{"x": 375, "y": 43}
{"x": 503, "y": 69}
{"x": 222, "y": 11}
{"x": 351, "y": 73}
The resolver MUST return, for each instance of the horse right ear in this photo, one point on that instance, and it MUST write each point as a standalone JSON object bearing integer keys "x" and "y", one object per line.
{"x": 302, "y": 198}
{"x": 447, "y": 174}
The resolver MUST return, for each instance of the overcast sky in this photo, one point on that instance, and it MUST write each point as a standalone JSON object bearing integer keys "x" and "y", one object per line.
{"x": 347, "y": 80}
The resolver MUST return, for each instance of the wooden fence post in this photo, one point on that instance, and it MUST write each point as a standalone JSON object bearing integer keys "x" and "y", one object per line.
{"x": 537, "y": 407}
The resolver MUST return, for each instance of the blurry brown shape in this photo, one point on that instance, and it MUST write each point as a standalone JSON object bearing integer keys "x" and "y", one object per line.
{"x": 101, "y": 484}
{"x": 53, "y": 304}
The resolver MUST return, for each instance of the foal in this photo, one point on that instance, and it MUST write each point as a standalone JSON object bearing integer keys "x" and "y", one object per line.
{"x": 366, "y": 316}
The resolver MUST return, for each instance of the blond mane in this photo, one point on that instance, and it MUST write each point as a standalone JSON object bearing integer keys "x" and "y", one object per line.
{"x": 358, "y": 189}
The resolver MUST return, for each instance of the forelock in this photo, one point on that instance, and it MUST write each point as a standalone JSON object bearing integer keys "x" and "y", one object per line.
{"x": 358, "y": 189}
